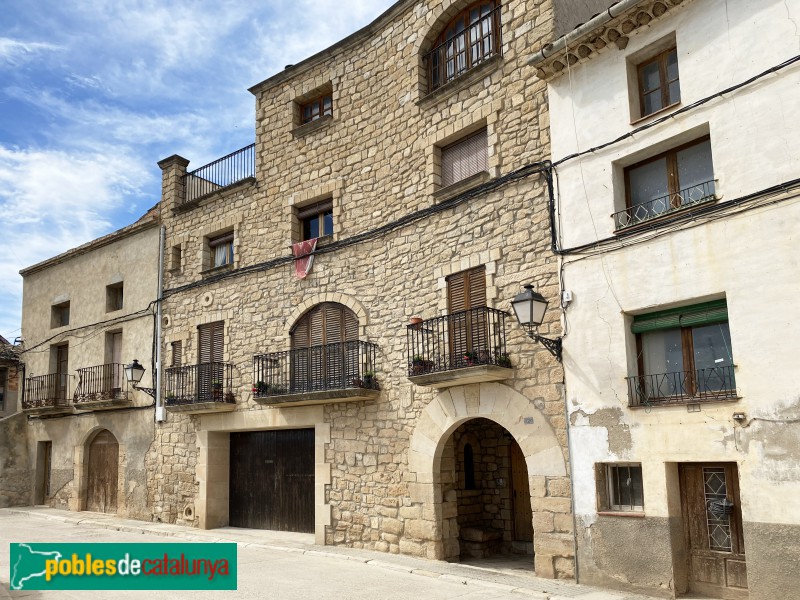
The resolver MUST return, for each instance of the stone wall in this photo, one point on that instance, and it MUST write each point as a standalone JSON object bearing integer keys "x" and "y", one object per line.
{"x": 378, "y": 159}
{"x": 15, "y": 473}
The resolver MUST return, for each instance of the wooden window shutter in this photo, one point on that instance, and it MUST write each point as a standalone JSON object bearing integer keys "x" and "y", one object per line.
{"x": 456, "y": 296}
{"x": 177, "y": 354}
{"x": 465, "y": 158}
{"x": 212, "y": 342}
{"x": 466, "y": 289}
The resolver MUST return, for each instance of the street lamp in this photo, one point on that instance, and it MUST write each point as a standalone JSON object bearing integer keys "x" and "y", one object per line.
{"x": 133, "y": 373}
{"x": 530, "y": 307}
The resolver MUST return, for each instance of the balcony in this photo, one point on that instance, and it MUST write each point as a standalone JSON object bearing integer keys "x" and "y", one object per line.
{"x": 219, "y": 175}
{"x": 458, "y": 349}
{"x": 665, "y": 205}
{"x": 46, "y": 395}
{"x": 197, "y": 389}
{"x": 339, "y": 372}
{"x": 682, "y": 387}
{"x": 101, "y": 388}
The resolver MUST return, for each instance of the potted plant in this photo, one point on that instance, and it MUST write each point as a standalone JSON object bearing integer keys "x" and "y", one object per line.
{"x": 502, "y": 359}
{"x": 260, "y": 388}
{"x": 470, "y": 357}
{"x": 420, "y": 365}
{"x": 369, "y": 380}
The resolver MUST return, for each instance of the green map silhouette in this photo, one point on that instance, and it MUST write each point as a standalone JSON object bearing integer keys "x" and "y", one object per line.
{"x": 27, "y": 563}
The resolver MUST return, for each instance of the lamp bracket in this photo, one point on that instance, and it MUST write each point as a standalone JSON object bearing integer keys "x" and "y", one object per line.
{"x": 552, "y": 345}
{"x": 149, "y": 391}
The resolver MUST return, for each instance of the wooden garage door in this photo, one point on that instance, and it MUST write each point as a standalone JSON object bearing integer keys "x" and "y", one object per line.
{"x": 272, "y": 480}
{"x": 102, "y": 480}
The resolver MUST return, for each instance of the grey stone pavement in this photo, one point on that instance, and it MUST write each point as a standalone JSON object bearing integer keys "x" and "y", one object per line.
{"x": 275, "y": 564}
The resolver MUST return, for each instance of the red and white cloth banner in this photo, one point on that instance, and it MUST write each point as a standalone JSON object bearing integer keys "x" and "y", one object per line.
{"x": 304, "y": 257}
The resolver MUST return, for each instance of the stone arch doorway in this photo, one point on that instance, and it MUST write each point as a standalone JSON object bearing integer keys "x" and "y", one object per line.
{"x": 486, "y": 497}
{"x": 102, "y": 472}
{"x": 543, "y": 447}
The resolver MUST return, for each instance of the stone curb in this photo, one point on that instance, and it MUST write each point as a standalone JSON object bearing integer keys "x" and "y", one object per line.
{"x": 589, "y": 594}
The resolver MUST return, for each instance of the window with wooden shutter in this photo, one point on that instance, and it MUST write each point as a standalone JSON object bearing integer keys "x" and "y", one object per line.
{"x": 465, "y": 158}
{"x": 467, "y": 324}
{"x": 177, "y": 354}
{"x": 211, "y": 349}
{"x": 325, "y": 348}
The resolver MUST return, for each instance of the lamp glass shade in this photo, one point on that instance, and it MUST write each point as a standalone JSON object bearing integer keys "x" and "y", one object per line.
{"x": 529, "y": 307}
{"x": 134, "y": 372}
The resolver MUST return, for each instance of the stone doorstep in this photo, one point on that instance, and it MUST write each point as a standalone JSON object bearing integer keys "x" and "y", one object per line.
{"x": 565, "y": 590}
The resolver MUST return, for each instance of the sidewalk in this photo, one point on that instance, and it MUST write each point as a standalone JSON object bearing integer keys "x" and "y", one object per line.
{"x": 499, "y": 574}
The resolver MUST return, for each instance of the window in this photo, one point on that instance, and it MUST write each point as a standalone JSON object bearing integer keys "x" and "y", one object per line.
{"x": 316, "y": 220}
{"x": 468, "y": 325}
{"x": 59, "y": 315}
{"x": 659, "y": 86}
{"x": 175, "y": 258}
{"x": 221, "y": 250}
{"x": 114, "y": 297}
{"x": 465, "y": 42}
{"x": 676, "y": 179}
{"x": 683, "y": 354}
{"x": 619, "y": 487}
{"x": 3, "y": 384}
{"x": 321, "y": 106}
{"x": 465, "y": 158}
{"x": 211, "y": 371}
{"x": 177, "y": 354}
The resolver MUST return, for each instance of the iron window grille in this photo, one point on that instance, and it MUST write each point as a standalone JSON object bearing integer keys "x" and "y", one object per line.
{"x": 625, "y": 489}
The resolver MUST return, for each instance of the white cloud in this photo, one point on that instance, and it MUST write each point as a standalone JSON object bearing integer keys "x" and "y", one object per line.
{"x": 52, "y": 201}
{"x": 16, "y": 51}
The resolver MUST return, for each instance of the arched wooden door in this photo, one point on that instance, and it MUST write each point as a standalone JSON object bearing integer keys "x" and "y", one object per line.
{"x": 103, "y": 473}
{"x": 324, "y": 349}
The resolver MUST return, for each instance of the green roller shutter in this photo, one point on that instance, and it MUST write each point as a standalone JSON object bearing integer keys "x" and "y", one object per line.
{"x": 706, "y": 313}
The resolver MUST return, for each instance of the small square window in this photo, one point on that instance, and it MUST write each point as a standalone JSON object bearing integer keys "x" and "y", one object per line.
{"x": 316, "y": 220}
{"x": 465, "y": 158}
{"x": 619, "y": 487}
{"x": 318, "y": 107}
{"x": 221, "y": 248}
{"x": 175, "y": 257}
{"x": 59, "y": 315}
{"x": 659, "y": 84}
{"x": 114, "y": 297}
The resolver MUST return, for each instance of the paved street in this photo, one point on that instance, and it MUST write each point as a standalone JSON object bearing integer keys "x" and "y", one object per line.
{"x": 288, "y": 565}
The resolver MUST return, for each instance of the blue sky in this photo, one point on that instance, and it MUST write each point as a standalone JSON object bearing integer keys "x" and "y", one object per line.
{"x": 94, "y": 92}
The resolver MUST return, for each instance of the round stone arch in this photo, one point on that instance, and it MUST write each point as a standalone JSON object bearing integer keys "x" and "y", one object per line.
{"x": 311, "y": 302}
{"x": 436, "y": 19}
{"x": 544, "y": 458}
{"x": 77, "y": 500}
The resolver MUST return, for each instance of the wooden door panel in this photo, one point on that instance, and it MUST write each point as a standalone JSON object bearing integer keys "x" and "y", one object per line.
{"x": 736, "y": 573}
{"x": 103, "y": 473}
{"x": 272, "y": 480}
{"x": 520, "y": 493}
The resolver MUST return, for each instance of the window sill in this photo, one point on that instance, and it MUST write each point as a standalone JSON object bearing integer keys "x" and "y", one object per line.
{"x": 621, "y": 513}
{"x": 652, "y": 115}
{"x": 459, "y": 187}
{"x": 217, "y": 270}
{"x": 462, "y": 82}
{"x": 312, "y": 126}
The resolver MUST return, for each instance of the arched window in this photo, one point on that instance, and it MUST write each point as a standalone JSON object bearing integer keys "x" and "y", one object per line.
{"x": 325, "y": 349}
{"x": 465, "y": 42}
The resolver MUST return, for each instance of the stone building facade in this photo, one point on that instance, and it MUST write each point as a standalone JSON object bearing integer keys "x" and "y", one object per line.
{"x": 679, "y": 204}
{"x": 86, "y": 313}
{"x": 419, "y": 166}
{"x": 14, "y": 473}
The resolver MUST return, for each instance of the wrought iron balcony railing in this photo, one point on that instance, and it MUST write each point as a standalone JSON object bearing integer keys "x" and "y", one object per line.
{"x": 463, "y": 339}
{"x": 196, "y": 384}
{"x": 681, "y": 387}
{"x": 221, "y": 173}
{"x": 338, "y": 366}
{"x": 633, "y": 215}
{"x": 46, "y": 391}
{"x": 102, "y": 382}
{"x": 465, "y": 50}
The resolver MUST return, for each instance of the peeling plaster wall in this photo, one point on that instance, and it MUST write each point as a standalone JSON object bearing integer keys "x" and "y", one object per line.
{"x": 751, "y": 259}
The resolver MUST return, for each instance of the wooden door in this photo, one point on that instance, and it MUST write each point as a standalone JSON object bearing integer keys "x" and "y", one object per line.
{"x": 210, "y": 356}
{"x": 272, "y": 480}
{"x": 468, "y": 329}
{"x": 62, "y": 372}
{"x": 102, "y": 476}
{"x": 45, "y": 460}
{"x": 112, "y": 374}
{"x": 715, "y": 544}
{"x": 521, "y": 495}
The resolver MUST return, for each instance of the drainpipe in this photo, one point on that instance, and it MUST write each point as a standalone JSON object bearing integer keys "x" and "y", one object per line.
{"x": 160, "y": 416}
{"x": 567, "y": 39}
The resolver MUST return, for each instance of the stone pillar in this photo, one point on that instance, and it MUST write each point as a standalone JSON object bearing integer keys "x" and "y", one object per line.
{"x": 173, "y": 169}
